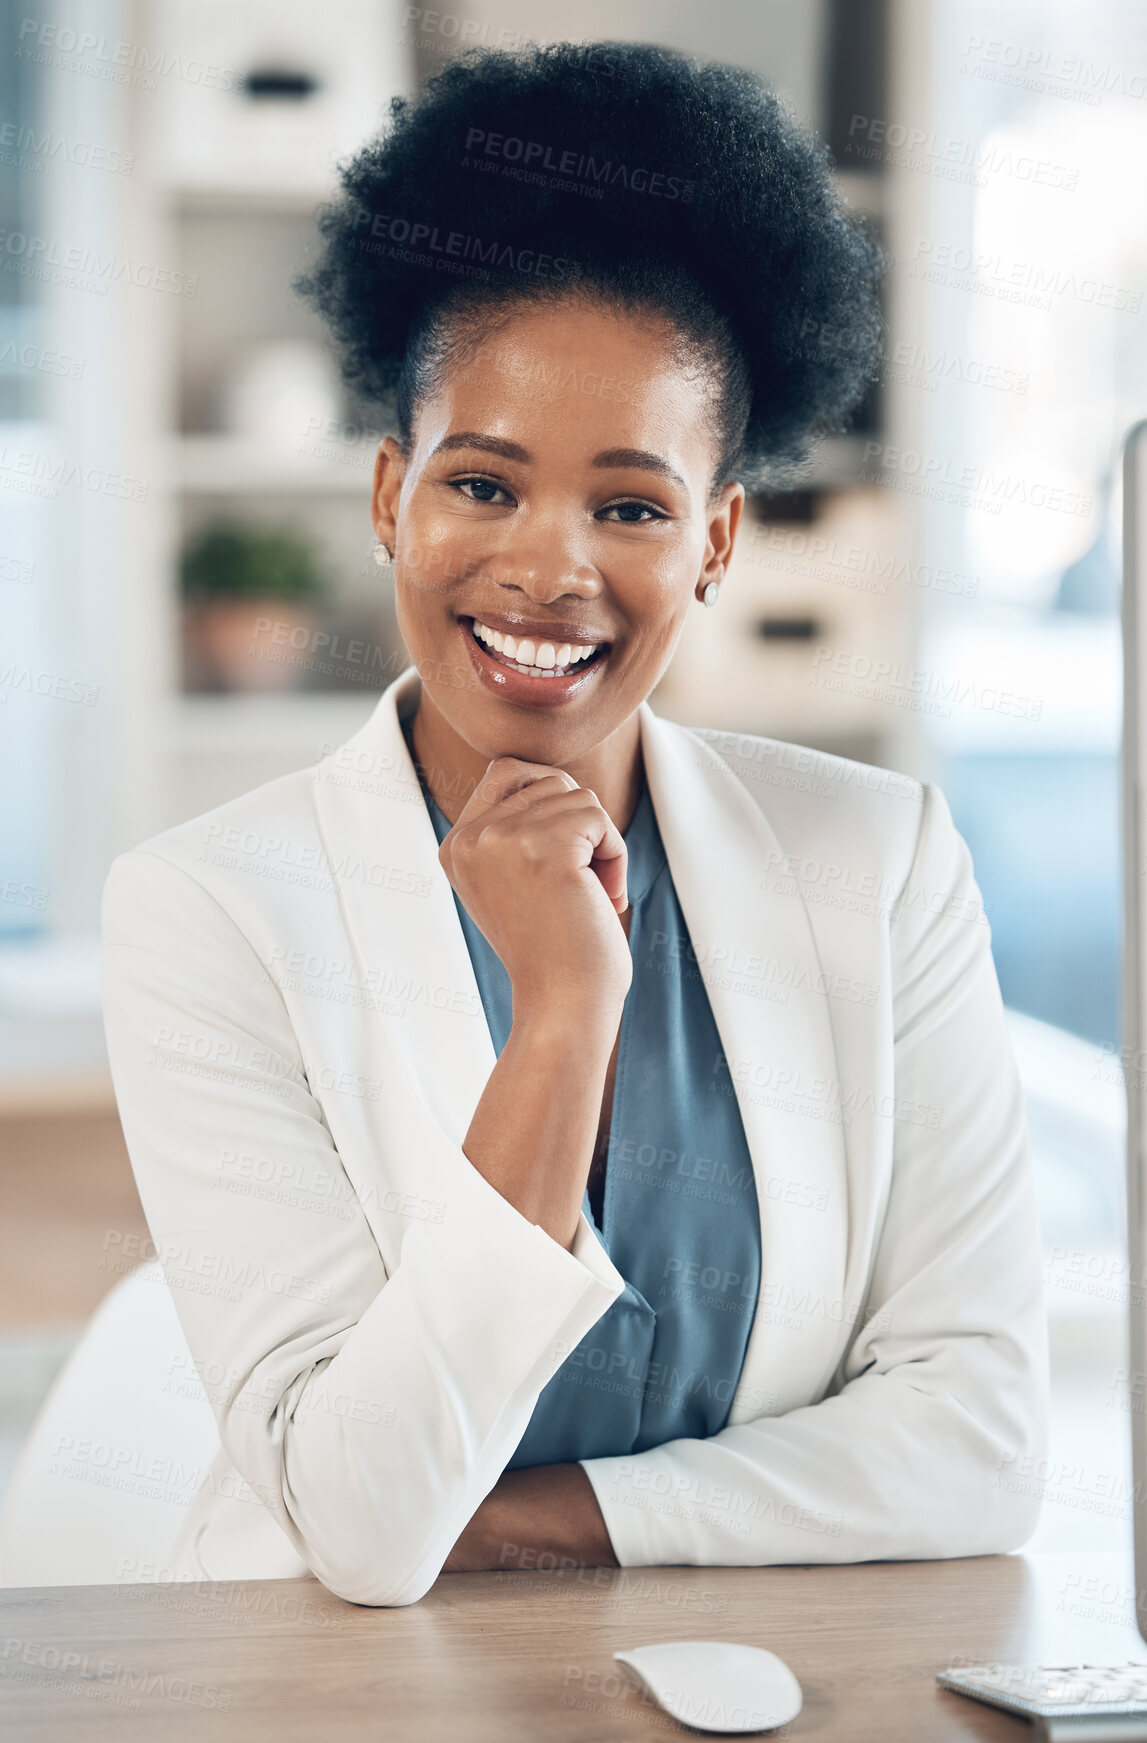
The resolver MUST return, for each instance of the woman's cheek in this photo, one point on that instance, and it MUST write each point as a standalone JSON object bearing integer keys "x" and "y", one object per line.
{"x": 431, "y": 565}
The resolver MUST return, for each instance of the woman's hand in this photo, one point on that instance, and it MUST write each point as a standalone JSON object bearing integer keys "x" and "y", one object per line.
{"x": 540, "y": 867}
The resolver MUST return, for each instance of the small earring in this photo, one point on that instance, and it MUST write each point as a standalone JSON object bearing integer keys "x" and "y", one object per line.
{"x": 382, "y": 555}
{"x": 710, "y": 594}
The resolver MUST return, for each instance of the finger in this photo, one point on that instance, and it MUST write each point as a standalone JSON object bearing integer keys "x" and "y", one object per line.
{"x": 613, "y": 874}
{"x": 608, "y": 855}
{"x": 518, "y": 800}
{"x": 611, "y": 858}
{"x": 506, "y": 776}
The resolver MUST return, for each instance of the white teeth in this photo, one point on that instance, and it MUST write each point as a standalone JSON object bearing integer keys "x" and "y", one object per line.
{"x": 542, "y": 659}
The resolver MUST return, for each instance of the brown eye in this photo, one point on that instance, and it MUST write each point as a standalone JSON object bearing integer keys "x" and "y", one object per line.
{"x": 475, "y": 487}
{"x": 640, "y": 510}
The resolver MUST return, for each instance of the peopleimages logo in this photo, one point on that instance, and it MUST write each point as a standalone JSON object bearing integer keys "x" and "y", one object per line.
{"x": 424, "y": 245}
{"x": 123, "y": 62}
{"x": 24, "y": 148}
{"x": 84, "y": 268}
{"x": 602, "y": 173}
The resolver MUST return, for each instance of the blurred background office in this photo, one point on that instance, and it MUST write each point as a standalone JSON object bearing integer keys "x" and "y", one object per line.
{"x": 187, "y": 605}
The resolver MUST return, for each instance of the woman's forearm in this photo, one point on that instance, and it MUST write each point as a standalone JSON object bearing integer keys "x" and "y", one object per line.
{"x": 546, "y": 1516}
{"x": 533, "y": 1132}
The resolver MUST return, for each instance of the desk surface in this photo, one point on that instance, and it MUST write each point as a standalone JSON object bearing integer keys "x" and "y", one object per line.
{"x": 518, "y": 1657}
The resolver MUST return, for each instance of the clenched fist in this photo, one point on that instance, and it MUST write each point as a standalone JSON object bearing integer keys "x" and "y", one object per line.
{"x": 540, "y": 867}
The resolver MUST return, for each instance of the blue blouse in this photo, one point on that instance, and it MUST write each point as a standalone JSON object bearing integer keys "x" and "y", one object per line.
{"x": 679, "y": 1214}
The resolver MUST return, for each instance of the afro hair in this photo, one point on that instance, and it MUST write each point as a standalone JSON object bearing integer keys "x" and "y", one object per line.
{"x": 634, "y": 172}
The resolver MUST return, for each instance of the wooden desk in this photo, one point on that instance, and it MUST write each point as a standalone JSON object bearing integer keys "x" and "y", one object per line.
{"x": 526, "y": 1657}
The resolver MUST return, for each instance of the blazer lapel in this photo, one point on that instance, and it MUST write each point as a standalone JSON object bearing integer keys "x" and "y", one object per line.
{"x": 399, "y": 911}
{"x": 758, "y": 958}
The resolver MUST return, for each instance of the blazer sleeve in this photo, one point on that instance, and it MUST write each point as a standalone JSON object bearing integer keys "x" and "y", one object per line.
{"x": 919, "y": 1449}
{"x": 370, "y": 1413}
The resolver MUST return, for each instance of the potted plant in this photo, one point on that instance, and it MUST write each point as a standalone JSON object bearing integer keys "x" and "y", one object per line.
{"x": 249, "y": 594}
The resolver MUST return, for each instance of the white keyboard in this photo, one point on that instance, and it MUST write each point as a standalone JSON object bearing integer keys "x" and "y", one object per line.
{"x": 1056, "y": 1690}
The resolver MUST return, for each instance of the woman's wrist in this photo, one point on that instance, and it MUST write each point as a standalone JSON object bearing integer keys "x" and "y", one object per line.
{"x": 543, "y": 1517}
{"x": 586, "y": 1026}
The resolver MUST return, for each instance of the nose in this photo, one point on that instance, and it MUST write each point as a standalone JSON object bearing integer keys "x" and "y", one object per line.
{"x": 543, "y": 563}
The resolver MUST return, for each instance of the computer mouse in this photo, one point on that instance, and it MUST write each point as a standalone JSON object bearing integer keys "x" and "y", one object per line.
{"x": 716, "y": 1686}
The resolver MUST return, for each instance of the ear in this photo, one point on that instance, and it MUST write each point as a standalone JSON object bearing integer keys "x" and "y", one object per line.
{"x": 389, "y": 471}
{"x": 721, "y": 534}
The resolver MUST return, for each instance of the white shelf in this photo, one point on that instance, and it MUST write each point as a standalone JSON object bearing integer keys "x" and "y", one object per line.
{"x": 292, "y": 198}
{"x": 264, "y": 724}
{"x": 216, "y": 747}
{"x": 230, "y": 466}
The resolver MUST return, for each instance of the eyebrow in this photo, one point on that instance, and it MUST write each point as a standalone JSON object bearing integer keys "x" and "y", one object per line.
{"x": 639, "y": 459}
{"x": 488, "y": 444}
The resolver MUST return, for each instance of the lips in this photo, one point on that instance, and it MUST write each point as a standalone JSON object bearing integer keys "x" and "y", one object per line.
{"x": 534, "y": 688}
{"x": 537, "y": 630}
{"x": 535, "y": 655}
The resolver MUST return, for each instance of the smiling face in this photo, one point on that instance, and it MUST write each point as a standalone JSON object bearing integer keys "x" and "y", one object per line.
{"x": 557, "y": 492}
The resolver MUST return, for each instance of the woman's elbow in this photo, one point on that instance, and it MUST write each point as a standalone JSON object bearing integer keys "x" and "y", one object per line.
{"x": 370, "y": 1593}
{"x": 383, "y": 1568}
{"x": 373, "y": 1585}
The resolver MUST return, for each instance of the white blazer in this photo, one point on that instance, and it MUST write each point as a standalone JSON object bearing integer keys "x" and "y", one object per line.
{"x": 298, "y": 1046}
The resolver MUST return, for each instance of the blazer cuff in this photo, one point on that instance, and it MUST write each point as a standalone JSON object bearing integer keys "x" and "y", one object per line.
{"x": 634, "y": 1517}
{"x": 588, "y": 1251}
{"x": 489, "y": 1266}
